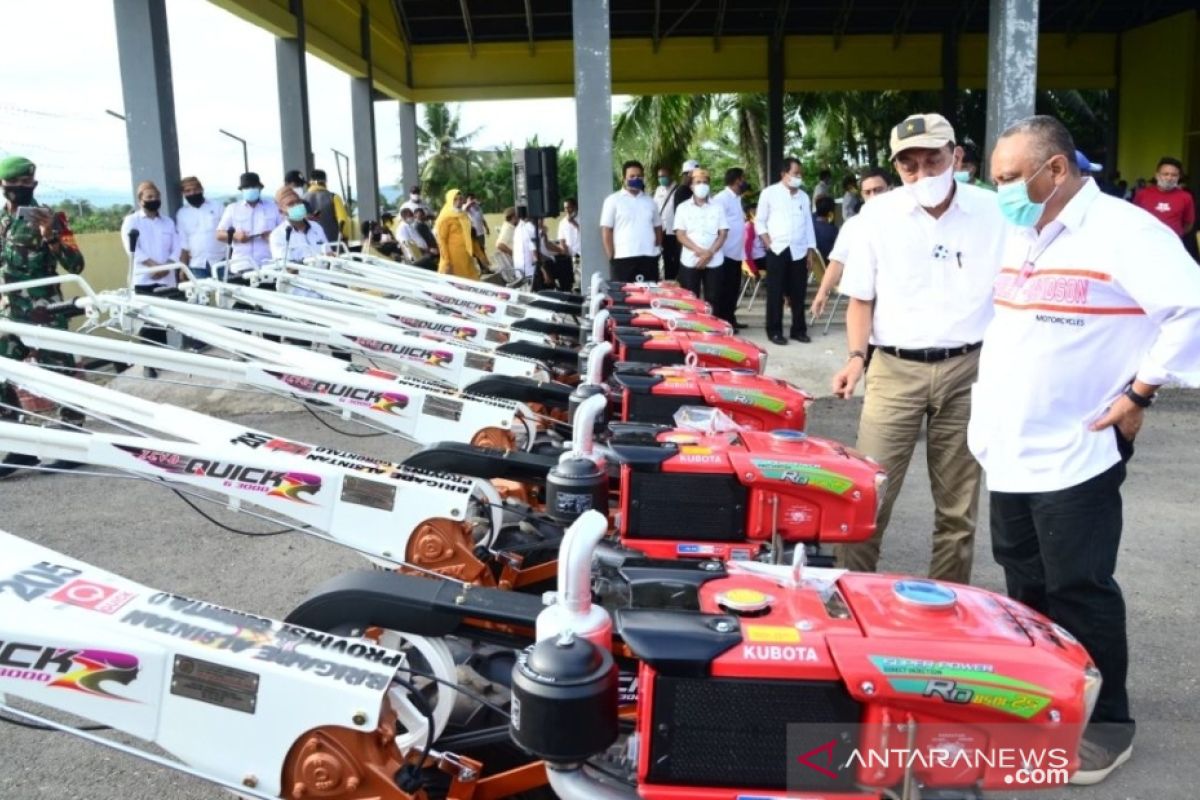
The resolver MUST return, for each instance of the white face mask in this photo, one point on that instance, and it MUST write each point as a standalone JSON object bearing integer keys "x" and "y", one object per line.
{"x": 931, "y": 190}
{"x": 701, "y": 190}
{"x": 794, "y": 181}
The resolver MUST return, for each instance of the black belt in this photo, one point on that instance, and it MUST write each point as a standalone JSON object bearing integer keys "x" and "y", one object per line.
{"x": 930, "y": 355}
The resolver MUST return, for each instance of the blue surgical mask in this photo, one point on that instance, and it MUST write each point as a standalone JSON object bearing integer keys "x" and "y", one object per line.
{"x": 962, "y": 176}
{"x": 1015, "y": 204}
{"x": 251, "y": 194}
{"x": 297, "y": 212}
{"x": 637, "y": 184}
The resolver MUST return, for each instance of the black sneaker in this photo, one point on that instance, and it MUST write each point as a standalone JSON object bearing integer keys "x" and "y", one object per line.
{"x": 1096, "y": 762}
{"x": 801, "y": 337}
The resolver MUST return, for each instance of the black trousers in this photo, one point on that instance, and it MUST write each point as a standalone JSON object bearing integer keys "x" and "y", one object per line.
{"x": 786, "y": 278}
{"x": 1059, "y": 552}
{"x": 671, "y": 250}
{"x": 731, "y": 286}
{"x": 149, "y": 332}
{"x": 704, "y": 283}
{"x": 629, "y": 269}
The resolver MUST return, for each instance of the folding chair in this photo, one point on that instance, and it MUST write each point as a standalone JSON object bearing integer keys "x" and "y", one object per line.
{"x": 751, "y": 275}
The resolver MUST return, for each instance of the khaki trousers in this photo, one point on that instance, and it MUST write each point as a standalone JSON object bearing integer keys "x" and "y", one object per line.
{"x": 900, "y": 395}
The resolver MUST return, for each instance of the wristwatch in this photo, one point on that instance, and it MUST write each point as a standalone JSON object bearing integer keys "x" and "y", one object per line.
{"x": 1139, "y": 400}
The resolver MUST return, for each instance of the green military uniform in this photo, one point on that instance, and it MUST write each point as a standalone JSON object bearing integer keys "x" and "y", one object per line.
{"x": 25, "y": 255}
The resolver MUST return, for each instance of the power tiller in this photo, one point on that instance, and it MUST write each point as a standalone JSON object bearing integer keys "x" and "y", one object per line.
{"x": 737, "y": 494}
{"x": 397, "y": 516}
{"x": 419, "y": 410}
{"x": 735, "y": 680}
{"x": 709, "y": 681}
{"x": 317, "y": 289}
{"x": 472, "y": 299}
{"x": 455, "y": 364}
{"x": 637, "y": 344}
{"x": 560, "y": 302}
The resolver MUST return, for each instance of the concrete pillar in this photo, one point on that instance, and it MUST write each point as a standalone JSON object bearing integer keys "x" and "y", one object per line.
{"x": 144, "y": 53}
{"x": 593, "y": 125}
{"x": 1012, "y": 66}
{"x": 775, "y": 132}
{"x": 410, "y": 171}
{"x": 291, "y": 70}
{"x": 362, "y": 111}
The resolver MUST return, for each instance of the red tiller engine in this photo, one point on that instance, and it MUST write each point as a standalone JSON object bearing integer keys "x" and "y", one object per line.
{"x": 773, "y": 682}
{"x": 728, "y": 495}
{"x": 670, "y": 299}
{"x": 646, "y": 393}
{"x": 661, "y": 319}
{"x": 680, "y": 347}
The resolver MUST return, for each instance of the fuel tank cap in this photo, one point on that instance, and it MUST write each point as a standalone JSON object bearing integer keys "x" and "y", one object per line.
{"x": 744, "y": 601}
{"x": 788, "y": 435}
{"x": 925, "y": 594}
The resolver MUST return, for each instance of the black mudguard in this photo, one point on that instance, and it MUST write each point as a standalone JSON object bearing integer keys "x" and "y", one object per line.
{"x": 558, "y": 307}
{"x": 410, "y": 604}
{"x": 548, "y": 328}
{"x": 488, "y": 463}
{"x": 562, "y": 356}
{"x": 523, "y": 390}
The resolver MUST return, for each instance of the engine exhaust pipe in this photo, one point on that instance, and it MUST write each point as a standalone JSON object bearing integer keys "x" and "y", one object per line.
{"x": 596, "y": 282}
{"x": 599, "y": 321}
{"x": 583, "y": 433}
{"x": 572, "y": 609}
{"x": 571, "y": 783}
{"x": 594, "y": 306}
{"x": 595, "y": 365}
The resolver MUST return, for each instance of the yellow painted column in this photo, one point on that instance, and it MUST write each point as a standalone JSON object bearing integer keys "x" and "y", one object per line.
{"x": 1158, "y": 95}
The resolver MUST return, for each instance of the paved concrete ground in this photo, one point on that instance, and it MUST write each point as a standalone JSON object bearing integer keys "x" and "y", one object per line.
{"x": 150, "y": 536}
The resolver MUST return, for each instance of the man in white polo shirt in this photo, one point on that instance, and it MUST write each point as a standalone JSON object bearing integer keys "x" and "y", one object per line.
{"x": 631, "y": 228}
{"x": 1097, "y": 306}
{"x": 252, "y": 218}
{"x": 701, "y": 228}
{"x": 919, "y": 278}
{"x": 785, "y": 225}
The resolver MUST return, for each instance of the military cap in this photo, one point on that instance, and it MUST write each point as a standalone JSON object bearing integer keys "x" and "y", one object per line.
{"x": 15, "y": 167}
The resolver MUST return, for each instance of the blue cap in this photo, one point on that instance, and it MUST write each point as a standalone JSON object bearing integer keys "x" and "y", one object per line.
{"x": 1086, "y": 164}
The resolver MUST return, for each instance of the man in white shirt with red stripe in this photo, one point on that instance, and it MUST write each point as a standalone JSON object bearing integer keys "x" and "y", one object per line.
{"x": 1097, "y": 305}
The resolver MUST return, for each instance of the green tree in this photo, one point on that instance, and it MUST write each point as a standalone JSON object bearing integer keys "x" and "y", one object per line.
{"x": 446, "y": 158}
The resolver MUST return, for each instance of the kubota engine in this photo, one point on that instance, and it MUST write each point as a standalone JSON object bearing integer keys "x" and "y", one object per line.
{"x": 727, "y": 495}
{"x": 758, "y": 680}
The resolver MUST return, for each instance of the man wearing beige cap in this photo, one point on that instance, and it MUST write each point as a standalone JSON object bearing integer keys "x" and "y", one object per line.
{"x": 919, "y": 277}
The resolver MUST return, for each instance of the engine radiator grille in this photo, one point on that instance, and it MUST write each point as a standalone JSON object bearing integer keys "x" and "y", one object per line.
{"x": 666, "y": 357}
{"x": 658, "y": 409}
{"x": 734, "y": 732}
{"x": 665, "y": 505}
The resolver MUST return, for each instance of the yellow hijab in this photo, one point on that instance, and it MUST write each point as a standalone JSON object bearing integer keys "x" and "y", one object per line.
{"x": 448, "y": 211}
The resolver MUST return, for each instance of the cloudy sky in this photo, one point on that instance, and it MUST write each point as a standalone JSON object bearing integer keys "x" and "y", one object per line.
{"x": 63, "y": 73}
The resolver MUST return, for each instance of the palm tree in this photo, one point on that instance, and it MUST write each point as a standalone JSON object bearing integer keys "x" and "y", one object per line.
{"x": 446, "y": 154}
{"x": 661, "y": 129}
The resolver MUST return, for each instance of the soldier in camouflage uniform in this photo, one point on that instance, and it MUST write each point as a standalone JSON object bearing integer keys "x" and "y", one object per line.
{"x": 29, "y": 249}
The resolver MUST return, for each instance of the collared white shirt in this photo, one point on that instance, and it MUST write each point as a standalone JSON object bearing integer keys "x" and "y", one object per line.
{"x": 1111, "y": 295}
{"x": 157, "y": 241}
{"x": 735, "y": 219}
{"x": 844, "y": 241}
{"x": 787, "y": 219}
{"x": 633, "y": 218}
{"x": 405, "y": 233}
{"x": 507, "y": 230}
{"x": 568, "y": 234}
{"x": 524, "y": 247}
{"x": 664, "y": 202}
{"x": 702, "y": 224}
{"x": 300, "y": 245}
{"x": 260, "y": 218}
{"x": 198, "y": 232}
{"x": 931, "y": 279}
